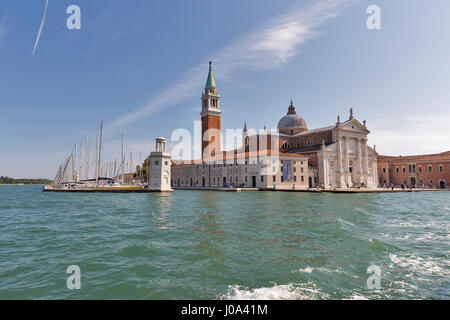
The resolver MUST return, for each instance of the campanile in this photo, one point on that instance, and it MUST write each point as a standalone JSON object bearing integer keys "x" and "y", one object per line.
{"x": 211, "y": 137}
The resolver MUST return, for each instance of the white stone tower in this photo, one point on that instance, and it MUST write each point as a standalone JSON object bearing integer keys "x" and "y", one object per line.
{"x": 159, "y": 171}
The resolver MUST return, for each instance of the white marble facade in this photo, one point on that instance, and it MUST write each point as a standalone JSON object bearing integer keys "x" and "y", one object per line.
{"x": 349, "y": 161}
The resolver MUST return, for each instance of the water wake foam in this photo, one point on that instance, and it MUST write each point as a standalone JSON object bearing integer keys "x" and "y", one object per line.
{"x": 311, "y": 269}
{"x": 417, "y": 264}
{"x": 305, "y": 291}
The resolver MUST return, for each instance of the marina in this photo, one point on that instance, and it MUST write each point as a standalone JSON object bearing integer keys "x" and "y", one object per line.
{"x": 70, "y": 173}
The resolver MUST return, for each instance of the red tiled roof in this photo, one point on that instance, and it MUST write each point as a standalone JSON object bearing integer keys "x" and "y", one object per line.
{"x": 423, "y": 157}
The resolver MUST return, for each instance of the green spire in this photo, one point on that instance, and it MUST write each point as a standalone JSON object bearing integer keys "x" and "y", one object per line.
{"x": 210, "y": 82}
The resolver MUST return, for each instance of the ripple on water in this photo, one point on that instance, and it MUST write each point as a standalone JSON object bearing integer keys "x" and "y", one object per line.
{"x": 196, "y": 245}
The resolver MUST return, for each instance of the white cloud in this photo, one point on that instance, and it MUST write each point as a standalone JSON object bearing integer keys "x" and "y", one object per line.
{"x": 267, "y": 47}
{"x": 40, "y": 28}
{"x": 416, "y": 134}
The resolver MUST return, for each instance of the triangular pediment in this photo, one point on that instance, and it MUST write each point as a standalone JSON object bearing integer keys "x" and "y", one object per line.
{"x": 353, "y": 125}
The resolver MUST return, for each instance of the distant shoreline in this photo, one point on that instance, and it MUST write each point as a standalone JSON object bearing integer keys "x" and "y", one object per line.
{"x": 7, "y": 181}
{"x": 22, "y": 184}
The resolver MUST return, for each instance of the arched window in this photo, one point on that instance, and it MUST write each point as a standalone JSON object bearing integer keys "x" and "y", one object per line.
{"x": 285, "y": 146}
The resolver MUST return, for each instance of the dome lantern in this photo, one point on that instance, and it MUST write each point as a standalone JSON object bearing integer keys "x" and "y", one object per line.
{"x": 292, "y": 123}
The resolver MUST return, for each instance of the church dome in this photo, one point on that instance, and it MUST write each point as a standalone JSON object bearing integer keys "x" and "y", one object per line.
{"x": 292, "y": 121}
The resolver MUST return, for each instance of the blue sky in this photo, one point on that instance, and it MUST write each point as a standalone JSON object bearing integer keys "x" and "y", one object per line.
{"x": 141, "y": 66}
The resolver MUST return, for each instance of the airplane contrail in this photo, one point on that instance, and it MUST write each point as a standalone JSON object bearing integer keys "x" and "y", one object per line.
{"x": 41, "y": 27}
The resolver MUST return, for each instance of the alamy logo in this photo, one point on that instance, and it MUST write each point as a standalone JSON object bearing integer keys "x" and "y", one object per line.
{"x": 74, "y": 20}
{"x": 374, "y": 281}
{"x": 74, "y": 280}
{"x": 374, "y": 20}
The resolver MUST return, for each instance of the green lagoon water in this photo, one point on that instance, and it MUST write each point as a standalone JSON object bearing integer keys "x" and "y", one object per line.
{"x": 220, "y": 245}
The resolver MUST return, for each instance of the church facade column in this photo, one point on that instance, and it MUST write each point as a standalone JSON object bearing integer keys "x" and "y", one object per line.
{"x": 360, "y": 168}
{"x": 346, "y": 163}
{"x": 339, "y": 162}
{"x": 365, "y": 161}
{"x": 326, "y": 170}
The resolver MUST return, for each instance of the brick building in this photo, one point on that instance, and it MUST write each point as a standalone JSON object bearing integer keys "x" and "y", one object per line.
{"x": 336, "y": 156}
{"x": 429, "y": 170}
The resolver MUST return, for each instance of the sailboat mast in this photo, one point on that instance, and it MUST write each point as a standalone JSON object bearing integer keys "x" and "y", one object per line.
{"x": 123, "y": 161}
{"x": 95, "y": 156}
{"x": 81, "y": 162}
{"x": 140, "y": 163}
{"x": 100, "y": 149}
{"x": 131, "y": 162}
{"x": 74, "y": 161}
{"x": 87, "y": 159}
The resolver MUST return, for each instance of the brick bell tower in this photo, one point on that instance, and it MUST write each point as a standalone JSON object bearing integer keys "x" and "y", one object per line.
{"x": 211, "y": 137}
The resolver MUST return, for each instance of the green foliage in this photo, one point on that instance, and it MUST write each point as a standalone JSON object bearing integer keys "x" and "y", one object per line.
{"x": 7, "y": 180}
{"x": 142, "y": 170}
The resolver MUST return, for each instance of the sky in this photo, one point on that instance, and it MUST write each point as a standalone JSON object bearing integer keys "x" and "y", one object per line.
{"x": 141, "y": 66}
